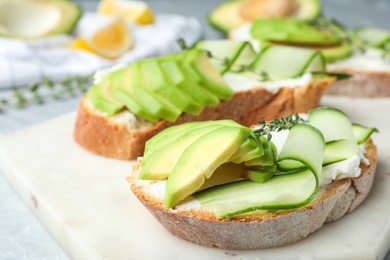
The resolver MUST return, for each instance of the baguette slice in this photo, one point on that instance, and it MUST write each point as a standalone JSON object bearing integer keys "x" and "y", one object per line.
{"x": 363, "y": 83}
{"x": 268, "y": 229}
{"x": 104, "y": 135}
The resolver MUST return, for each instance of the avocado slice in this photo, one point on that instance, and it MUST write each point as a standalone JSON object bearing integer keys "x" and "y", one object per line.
{"x": 262, "y": 168}
{"x": 299, "y": 33}
{"x": 37, "y": 19}
{"x": 204, "y": 72}
{"x": 172, "y": 133}
{"x": 188, "y": 78}
{"x": 182, "y": 79}
{"x": 269, "y": 156}
{"x": 157, "y": 105}
{"x": 291, "y": 31}
{"x": 249, "y": 150}
{"x": 102, "y": 99}
{"x": 339, "y": 52}
{"x": 160, "y": 163}
{"x": 209, "y": 151}
{"x": 121, "y": 82}
{"x": 161, "y": 84}
{"x": 129, "y": 87}
{"x": 232, "y": 14}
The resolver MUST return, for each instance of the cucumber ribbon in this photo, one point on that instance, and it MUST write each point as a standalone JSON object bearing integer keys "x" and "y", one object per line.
{"x": 275, "y": 61}
{"x": 376, "y": 37}
{"x": 326, "y": 138}
{"x": 295, "y": 184}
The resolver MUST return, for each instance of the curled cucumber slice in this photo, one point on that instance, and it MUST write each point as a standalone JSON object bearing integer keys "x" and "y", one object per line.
{"x": 283, "y": 191}
{"x": 337, "y": 130}
{"x": 283, "y": 62}
{"x": 362, "y": 133}
{"x": 304, "y": 148}
{"x": 280, "y": 192}
{"x": 236, "y": 52}
{"x": 375, "y": 36}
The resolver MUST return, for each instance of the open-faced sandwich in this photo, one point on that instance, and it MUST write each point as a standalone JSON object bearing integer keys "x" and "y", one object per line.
{"x": 363, "y": 53}
{"x": 128, "y": 105}
{"x": 221, "y": 184}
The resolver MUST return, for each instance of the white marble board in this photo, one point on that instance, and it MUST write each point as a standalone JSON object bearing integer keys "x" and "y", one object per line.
{"x": 85, "y": 202}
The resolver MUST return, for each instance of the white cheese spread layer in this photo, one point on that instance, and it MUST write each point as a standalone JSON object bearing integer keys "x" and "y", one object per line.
{"x": 370, "y": 60}
{"x": 125, "y": 117}
{"x": 239, "y": 82}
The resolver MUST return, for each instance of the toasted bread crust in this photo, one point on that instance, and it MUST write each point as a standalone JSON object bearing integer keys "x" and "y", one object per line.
{"x": 361, "y": 84}
{"x": 99, "y": 134}
{"x": 271, "y": 229}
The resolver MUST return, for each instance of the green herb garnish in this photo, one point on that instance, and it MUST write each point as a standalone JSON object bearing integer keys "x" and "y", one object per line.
{"x": 37, "y": 93}
{"x": 278, "y": 124}
{"x": 348, "y": 36}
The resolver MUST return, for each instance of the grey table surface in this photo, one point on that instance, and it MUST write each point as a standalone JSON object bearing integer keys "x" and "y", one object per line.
{"x": 22, "y": 236}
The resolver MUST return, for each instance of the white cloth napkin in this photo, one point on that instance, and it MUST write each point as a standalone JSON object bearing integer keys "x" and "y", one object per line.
{"x": 24, "y": 62}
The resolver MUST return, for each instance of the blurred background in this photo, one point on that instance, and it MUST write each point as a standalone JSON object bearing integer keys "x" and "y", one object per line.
{"x": 352, "y": 13}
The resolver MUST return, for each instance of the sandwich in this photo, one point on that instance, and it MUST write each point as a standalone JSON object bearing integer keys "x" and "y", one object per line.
{"x": 362, "y": 53}
{"x": 221, "y": 184}
{"x": 129, "y": 104}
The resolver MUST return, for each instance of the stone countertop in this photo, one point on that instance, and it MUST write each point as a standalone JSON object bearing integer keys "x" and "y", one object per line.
{"x": 21, "y": 234}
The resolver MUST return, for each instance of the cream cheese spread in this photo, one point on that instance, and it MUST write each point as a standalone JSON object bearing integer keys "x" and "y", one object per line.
{"x": 125, "y": 117}
{"x": 239, "y": 82}
{"x": 370, "y": 60}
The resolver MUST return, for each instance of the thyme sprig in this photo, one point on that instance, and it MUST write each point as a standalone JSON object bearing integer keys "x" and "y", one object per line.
{"x": 39, "y": 92}
{"x": 277, "y": 125}
{"x": 261, "y": 75}
{"x": 348, "y": 36}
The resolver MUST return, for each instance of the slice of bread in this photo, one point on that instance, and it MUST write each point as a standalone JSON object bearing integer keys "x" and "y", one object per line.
{"x": 102, "y": 134}
{"x": 362, "y": 83}
{"x": 265, "y": 229}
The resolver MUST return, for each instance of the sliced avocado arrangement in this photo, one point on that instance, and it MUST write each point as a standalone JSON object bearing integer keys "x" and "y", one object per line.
{"x": 101, "y": 93}
{"x": 293, "y": 31}
{"x": 231, "y": 169}
{"x": 301, "y": 33}
{"x": 163, "y": 87}
{"x": 36, "y": 19}
{"x": 324, "y": 34}
{"x": 186, "y": 82}
{"x": 231, "y": 14}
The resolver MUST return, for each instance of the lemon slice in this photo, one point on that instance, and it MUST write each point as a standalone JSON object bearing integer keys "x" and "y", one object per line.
{"x": 110, "y": 41}
{"x": 81, "y": 43}
{"x": 135, "y": 11}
